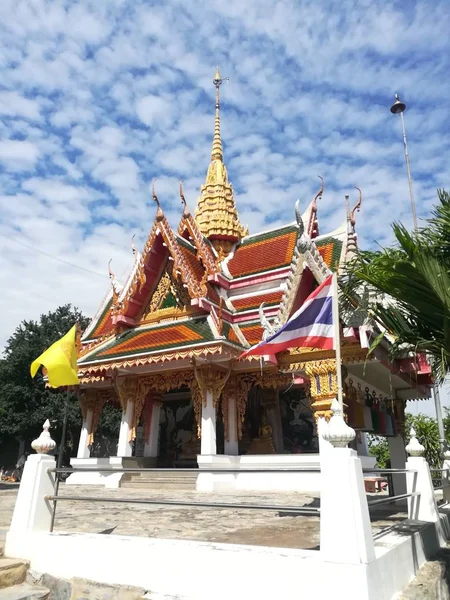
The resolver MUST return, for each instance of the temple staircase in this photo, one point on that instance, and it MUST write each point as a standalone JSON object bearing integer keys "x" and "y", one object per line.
{"x": 161, "y": 480}
{"x": 13, "y": 573}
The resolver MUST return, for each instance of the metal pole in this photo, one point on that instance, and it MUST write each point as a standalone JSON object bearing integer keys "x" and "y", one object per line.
{"x": 60, "y": 456}
{"x": 408, "y": 170}
{"x": 337, "y": 341}
{"x": 438, "y": 408}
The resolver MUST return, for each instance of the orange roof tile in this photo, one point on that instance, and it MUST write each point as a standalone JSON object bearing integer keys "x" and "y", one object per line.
{"x": 264, "y": 252}
{"x": 157, "y": 338}
{"x": 255, "y": 301}
{"x": 253, "y": 333}
{"x": 190, "y": 257}
{"x": 104, "y": 324}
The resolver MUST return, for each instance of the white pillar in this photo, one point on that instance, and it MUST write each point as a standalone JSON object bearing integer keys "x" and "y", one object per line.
{"x": 208, "y": 441}
{"x": 422, "y": 507}
{"x": 125, "y": 447}
{"x": 362, "y": 446}
{"x": 446, "y": 477}
{"x": 151, "y": 445}
{"x": 397, "y": 455}
{"x": 83, "y": 448}
{"x": 232, "y": 444}
{"x": 345, "y": 530}
{"x": 32, "y": 512}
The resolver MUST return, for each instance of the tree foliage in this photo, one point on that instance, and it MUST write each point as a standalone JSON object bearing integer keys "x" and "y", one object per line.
{"x": 427, "y": 433}
{"x": 410, "y": 287}
{"x": 25, "y": 403}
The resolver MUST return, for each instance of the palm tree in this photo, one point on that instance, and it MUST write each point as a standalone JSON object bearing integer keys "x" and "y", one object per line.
{"x": 410, "y": 287}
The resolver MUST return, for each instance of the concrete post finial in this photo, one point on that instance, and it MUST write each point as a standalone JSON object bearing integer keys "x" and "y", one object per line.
{"x": 338, "y": 433}
{"x": 44, "y": 443}
{"x": 414, "y": 448}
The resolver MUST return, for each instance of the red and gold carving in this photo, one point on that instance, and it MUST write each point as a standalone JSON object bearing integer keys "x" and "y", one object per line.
{"x": 94, "y": 400}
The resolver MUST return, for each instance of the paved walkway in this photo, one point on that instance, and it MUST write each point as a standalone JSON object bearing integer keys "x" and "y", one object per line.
{"x": 239, "y": 526}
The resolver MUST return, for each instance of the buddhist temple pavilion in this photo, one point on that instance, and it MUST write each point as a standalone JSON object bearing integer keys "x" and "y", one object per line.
{"x": 165, "y": 344}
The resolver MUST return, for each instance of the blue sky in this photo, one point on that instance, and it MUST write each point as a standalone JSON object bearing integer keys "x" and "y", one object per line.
{"x": 98, "y": 97}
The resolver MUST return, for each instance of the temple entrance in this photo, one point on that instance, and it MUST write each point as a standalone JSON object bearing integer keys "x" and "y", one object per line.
{"x": 299, "y": 431}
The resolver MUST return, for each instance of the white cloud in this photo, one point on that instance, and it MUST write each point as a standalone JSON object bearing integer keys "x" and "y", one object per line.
{"x": 151, "y": 109}
{"x": 18, "y": 155}
{"x": 99, "y": 98}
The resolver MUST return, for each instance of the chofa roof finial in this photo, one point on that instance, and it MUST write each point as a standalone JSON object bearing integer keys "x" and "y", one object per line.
{"x": 154, "y": 196}
{"x": 183, "y": 201}
{"x": 356, "y": 208}
{"x": 319, "y": 194}
{"x": 110, "y": 272}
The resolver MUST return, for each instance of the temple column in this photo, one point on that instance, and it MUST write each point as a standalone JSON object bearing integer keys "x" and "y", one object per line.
{"x": 152, "y": 441}
{"x": 86, "y": 429}
{"x": 125, "y": 445}
{"x": 210, "y": 383}
{"x": 231, "y": 439}
{"x": 208, "y": 439}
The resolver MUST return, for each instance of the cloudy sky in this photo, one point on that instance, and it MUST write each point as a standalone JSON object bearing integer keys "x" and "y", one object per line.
{"x": 98, "y": 97}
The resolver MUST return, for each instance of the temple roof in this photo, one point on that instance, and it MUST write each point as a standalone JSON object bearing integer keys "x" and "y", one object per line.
{"x": 209, "y": 287}
{"x": 157, "y": 338}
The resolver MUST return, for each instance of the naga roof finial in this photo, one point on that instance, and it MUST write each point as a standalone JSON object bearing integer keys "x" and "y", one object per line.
{"x": 356, "y": 208}
{"x": 133, "y": 247}
{"x": 154, "y": 196}
{"x": 318, "y": 195}
{"x": 183, "y": 200}
{"x": 110, "y": 273}
{"x": 298, "y": 218}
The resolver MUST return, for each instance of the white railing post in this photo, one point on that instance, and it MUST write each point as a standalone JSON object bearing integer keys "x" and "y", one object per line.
{"x": 422, "y": 507}
{"x": 446, "y": 477}
{"x": 345, "y": 530}
{"x": 32, "y": 512}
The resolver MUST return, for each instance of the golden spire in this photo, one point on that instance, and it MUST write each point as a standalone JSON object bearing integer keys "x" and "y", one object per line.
{"x": 216, "y": 213}
{"x": 217, "y": 150}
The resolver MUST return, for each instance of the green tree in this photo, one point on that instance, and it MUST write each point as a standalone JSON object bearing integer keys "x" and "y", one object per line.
{"x": 427, "y": 433}
{"x": 25, "y": 403}
{"x": 410, "y": 284}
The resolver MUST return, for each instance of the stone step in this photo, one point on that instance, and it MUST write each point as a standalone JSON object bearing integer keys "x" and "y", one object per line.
{"x": 160, "y": 481}
{"x": 12, "y": 571}
{"x": 156, "y": 486}
{"x": 25, "y": 591}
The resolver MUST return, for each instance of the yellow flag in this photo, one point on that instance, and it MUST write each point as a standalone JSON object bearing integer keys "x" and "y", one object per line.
{"x": 60, "y": 360}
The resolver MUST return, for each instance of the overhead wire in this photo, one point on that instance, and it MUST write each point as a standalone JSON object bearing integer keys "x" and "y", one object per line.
{"x": 52, "y": 256}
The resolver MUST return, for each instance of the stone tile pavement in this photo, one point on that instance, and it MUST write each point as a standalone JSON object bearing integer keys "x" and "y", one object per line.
{"x": 238, "y": 526}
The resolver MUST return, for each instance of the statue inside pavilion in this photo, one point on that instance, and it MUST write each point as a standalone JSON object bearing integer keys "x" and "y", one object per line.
{"x": 165, "y": 348}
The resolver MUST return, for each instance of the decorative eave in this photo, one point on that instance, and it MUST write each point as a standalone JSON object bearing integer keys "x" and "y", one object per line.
{"x": 305, "y": 254}
{"x": 149, "y": 268}
{"x": 95, "y": 321}
{"x": 210, "y": 260}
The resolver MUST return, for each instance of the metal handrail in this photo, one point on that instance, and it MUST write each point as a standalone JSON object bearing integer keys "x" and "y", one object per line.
{"x": 172, "y": 470}
{"x": 390, "y": 499}
{"x": 439, "y": 470}
{"x": 305, "y": 509}
{"x": 389, "y": 470}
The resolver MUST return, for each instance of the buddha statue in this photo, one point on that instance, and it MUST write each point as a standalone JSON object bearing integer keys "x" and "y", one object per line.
{"x": 191, "y": 448}
{"x": 263, "y": 444}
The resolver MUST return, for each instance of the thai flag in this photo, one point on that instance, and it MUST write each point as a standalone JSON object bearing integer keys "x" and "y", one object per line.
{"x": 310, "y": 327}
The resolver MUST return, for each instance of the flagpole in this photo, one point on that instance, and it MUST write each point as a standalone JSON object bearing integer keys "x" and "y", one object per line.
{"x": 60, "y": 455}
{"x": 337, "y": 341}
